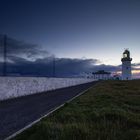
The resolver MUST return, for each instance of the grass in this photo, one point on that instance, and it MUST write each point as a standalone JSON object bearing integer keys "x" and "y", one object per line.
{"x": 108, "y": 111}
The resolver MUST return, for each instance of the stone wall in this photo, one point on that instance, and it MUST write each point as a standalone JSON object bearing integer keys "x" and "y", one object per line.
{"x": 11, "y": 87}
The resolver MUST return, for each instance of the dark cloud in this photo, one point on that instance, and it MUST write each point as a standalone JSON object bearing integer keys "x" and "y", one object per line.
{"x": 22, "y": 49}
{"x": 64, "y": 67}
{"x": 110, "y": 68}
{"x": 135, "y": 64}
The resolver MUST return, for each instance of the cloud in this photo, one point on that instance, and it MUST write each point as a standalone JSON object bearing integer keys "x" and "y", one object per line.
{"x": 22, "y": 49}
{"x": 135, "y": 64}
{"x": 31, "y": 59}
{"x": 64, "y": 67}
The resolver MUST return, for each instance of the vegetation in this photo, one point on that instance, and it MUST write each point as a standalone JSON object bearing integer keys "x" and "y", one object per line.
{"x": 108, "y": 111}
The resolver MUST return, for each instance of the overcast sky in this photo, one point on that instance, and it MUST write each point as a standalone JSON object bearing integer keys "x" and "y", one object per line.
{"x": 97, "y": 29}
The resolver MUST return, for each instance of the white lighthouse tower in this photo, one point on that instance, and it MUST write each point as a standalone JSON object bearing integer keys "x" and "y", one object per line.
{"x": 126, "y": 65}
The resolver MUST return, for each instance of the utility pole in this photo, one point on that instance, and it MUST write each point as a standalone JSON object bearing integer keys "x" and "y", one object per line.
{"x": 54, "y": 66}
{"x": 5, "y": 56}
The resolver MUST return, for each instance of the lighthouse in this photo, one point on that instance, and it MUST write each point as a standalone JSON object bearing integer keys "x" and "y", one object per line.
{"x": 126, "y": 65}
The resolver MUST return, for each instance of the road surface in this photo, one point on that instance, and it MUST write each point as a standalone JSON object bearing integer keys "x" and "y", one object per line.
{"x": 19, "y": 112}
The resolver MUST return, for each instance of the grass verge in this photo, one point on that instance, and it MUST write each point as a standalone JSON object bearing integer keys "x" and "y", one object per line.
{"x": 108, "y": 111}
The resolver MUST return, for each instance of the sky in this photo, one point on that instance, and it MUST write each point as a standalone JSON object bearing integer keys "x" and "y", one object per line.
{"x": 73, "y": 29}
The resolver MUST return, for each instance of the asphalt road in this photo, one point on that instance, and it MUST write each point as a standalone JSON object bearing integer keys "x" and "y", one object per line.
{"x": 18, "y": 113}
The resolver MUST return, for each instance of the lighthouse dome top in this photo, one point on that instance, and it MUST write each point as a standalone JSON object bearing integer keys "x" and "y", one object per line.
{"x": 126, "y": 51}
{"x": 126, "y": 56}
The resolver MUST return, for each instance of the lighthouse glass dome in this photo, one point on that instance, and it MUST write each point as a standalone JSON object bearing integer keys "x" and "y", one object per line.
{"x": 126, "y": 56}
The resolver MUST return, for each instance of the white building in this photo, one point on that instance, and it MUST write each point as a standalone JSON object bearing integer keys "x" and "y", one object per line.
{"x": 101, "y": 75}
{"x": 126, "y": 65}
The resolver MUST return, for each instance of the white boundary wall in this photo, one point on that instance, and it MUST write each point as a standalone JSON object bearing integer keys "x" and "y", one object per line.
{"x": 11, "y": 87}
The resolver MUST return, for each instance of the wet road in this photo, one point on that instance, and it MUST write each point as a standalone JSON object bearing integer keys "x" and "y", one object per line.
{"x": 18, "y": 113}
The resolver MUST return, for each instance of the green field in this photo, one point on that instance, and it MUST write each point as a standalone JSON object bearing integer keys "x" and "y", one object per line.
{"x": 108, "y": 111}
